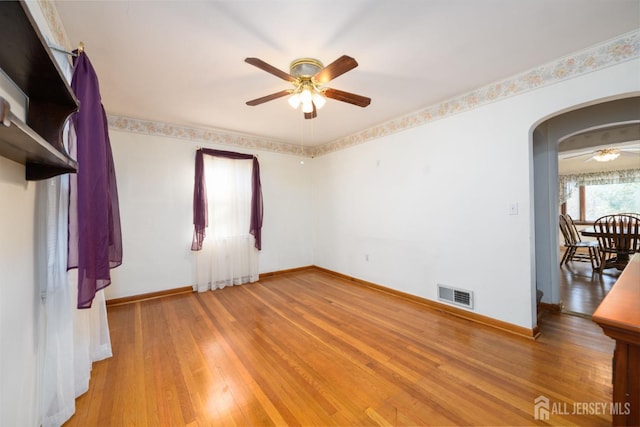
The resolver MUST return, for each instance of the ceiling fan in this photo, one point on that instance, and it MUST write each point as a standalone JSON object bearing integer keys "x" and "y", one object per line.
{"x": 607, "y": 154}
{"x": 308, "y": 76}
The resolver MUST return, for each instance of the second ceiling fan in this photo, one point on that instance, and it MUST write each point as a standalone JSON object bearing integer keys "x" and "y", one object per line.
{"x": 307, "y": 76}
{"x": 606, "y": 154}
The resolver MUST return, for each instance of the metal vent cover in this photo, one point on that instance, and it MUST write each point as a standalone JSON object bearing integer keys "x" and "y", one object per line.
{"x": 460, "y": 297}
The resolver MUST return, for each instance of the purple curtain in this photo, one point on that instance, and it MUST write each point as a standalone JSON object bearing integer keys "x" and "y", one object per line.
{"x": 95, "y": 237}
{"x": 200, "y": 210}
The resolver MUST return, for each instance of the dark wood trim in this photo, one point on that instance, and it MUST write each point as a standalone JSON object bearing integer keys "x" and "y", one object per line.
{"x": 583, "y": 205}
{"x": 185, "y": 289}
{"x": 150, "y": 295}
{"x": 444, "y": 308}
{"x": 287, "y": 271}
{"x": 551, "y": 308}
{"x": 544, "y": 308}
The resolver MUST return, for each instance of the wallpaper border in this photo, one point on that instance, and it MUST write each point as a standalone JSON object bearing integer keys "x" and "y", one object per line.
{"x": 50, "y": 14}
{"x": 198, "y": 134}
{"x": 615, "y": 51}
{"x": 618, "y": 50}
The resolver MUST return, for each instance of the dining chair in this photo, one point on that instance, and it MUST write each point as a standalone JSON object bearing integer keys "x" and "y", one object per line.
{"x": 573, "y": 228}
{"x": 635, "y": 215}
{"x": 619, "y": 238}
{"x": 573, "y": 243}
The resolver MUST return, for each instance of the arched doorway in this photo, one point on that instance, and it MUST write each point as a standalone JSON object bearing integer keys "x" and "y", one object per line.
{"x": 546, "y": 137}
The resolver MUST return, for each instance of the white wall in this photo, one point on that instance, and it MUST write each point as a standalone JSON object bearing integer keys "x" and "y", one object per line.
{"x": 431, "y": 204}
{"x": 19, "y": 299}
{"x": 155, "y": 184}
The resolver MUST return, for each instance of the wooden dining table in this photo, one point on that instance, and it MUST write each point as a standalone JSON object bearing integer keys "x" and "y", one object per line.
{"x": 590, "y": 232}
{"x": 622, "y": 256}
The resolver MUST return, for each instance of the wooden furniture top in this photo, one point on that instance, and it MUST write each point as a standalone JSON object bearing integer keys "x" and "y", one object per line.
{"x": 620, "y": 309}
{"x": 591, "y": 232}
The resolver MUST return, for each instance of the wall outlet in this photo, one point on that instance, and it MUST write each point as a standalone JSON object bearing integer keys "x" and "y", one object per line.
{"x": 513, "y": 209}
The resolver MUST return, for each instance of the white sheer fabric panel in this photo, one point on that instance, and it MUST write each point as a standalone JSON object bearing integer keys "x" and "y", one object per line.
{"x": 72, "y": 339}
{"x": 91, "y": 332}
{"x": 58, "y": 390}
{"x": 228, "y": 256}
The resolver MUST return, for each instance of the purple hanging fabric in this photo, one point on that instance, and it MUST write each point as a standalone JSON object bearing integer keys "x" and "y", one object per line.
{"x": 95, "y": 237}
{"x": 200, "y": 209}
{"x": 257, "y": 210}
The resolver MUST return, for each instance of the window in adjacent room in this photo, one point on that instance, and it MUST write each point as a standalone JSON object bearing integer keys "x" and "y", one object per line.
{"x": 591, "y": 202}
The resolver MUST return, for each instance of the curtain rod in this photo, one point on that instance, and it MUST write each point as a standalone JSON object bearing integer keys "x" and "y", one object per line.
{"x": 80, "y": 49}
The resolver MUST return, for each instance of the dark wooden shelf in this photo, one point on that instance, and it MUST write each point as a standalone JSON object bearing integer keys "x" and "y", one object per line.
{"x": 18, "y": 142}
{"x": 28, "y": 62}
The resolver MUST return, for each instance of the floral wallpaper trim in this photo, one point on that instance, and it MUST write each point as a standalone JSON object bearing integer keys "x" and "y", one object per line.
{"x": 213, "y": 136}
{"x": 50, "y": 14}
{"x": 621, "y": 49}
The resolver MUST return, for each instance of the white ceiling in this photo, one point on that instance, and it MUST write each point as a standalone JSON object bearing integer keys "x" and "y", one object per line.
{"x": 182, "y": 62}
{"x": 575, "y": 153}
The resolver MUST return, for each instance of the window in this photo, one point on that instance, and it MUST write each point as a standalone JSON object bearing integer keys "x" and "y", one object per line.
{"x": 591, "y": 202}
{"x": 228, "y": 183}
{"x": 227, "y": 210}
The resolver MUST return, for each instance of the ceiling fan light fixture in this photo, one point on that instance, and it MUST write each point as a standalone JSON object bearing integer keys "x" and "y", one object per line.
{"x": 318, "y": 99}
{"x": 305, "y": 95}
{"x": 305, "y": 67}
{"x": 606, "y": 155}
{"x": 308, "y": 77}
{"x": 307, "y": 106}
{"x": 294, "y": 100}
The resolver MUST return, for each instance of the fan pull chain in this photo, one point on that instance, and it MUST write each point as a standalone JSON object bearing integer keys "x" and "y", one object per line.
{"x": 302, "y": 141}
{"x": 313, "y": 133}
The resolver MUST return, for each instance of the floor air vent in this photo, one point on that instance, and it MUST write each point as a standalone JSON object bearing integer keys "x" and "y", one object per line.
{"x": 455, "y": 296}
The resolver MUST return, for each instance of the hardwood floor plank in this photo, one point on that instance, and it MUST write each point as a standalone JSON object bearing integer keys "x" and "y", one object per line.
{"x": 257, "y": 406}
{"x": 582, "y": 289}
{"x": 310, "y": 348}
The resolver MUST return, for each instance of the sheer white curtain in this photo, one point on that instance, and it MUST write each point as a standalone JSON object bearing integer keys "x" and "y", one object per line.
{"x": 228, "y": 255}
{"x": 58, "y": 388}
{"x": 71, "y": 339}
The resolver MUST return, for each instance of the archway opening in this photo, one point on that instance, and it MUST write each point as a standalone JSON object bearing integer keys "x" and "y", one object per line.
{"x": 547, "y": 137}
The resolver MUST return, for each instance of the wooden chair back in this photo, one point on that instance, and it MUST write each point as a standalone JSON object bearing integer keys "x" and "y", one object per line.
{"x": 573, "y": 229}
{"x": 565, "y": 229}
{"x": 619, "y": 233}
{"x": 573, "y": 243}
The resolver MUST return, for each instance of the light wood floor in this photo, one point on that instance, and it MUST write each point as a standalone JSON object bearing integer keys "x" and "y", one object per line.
{"x": 581, "y": 289}
{"x": 309, "y": 348}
